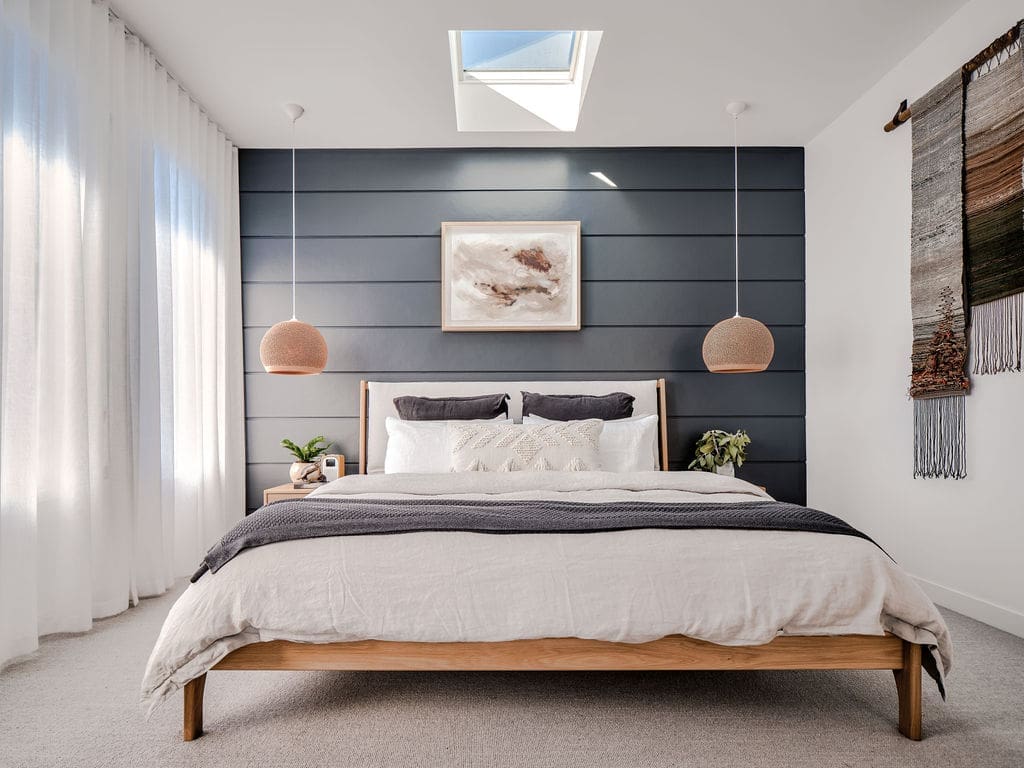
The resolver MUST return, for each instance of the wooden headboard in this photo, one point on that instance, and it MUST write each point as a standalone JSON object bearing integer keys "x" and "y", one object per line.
{"x": 375, "y": 405}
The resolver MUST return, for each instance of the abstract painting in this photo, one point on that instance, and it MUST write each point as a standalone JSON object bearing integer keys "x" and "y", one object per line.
{"x": 510, "y": 276}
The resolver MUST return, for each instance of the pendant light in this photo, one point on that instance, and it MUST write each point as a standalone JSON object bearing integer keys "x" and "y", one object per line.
{"x": 737, "y": 344}
{"x": 293, "y": 347}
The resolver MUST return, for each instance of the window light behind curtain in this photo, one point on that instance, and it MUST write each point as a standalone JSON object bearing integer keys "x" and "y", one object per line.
{"x": 121, "y": 416}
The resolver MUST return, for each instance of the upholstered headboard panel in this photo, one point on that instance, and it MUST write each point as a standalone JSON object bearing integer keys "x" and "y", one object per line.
{"x": 376, "y": 405}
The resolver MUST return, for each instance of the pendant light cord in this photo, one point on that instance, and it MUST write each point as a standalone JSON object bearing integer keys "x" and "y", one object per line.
{"x": 736, "y": 202}
{"x": 293, "y": 221}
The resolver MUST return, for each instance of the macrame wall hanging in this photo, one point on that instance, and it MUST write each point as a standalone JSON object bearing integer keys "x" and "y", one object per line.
{"x": 967, "y": 244}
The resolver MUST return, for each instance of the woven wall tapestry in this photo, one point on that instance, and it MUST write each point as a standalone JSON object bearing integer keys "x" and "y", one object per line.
{"x": 967, "y": 244}
{"x": 938, "y": 379}
{"x": 994, "y": 208}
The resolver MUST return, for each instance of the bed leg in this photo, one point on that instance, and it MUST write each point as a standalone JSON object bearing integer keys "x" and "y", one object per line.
{"x": 908, "y": 687}
{"x": 194, "y": 708}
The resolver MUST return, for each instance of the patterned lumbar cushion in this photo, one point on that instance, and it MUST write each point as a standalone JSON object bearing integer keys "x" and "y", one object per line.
{"x": 570, "y": 446}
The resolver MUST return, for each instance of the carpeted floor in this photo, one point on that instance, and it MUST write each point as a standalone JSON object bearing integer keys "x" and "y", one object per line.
{"x": 75, "y": 703}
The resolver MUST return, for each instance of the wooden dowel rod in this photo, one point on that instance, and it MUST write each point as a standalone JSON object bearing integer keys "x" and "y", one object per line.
{"x": 1005, "y": 40}
{"x": 897, "y": 120}
{"x": 901, "y": 116}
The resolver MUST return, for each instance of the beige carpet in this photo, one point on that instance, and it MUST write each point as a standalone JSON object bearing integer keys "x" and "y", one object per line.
{"x": 74, "y": 703}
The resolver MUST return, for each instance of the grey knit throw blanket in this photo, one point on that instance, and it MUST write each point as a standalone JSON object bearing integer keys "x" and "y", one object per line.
{"x": 317, "y": 517}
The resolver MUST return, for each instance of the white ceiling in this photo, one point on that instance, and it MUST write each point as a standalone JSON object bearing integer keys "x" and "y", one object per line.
{"x": 377, "y": 74}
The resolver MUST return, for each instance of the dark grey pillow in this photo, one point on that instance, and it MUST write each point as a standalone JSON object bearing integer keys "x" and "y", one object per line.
{"x": 413, "y": 408}
{"x": 617, "y": 405}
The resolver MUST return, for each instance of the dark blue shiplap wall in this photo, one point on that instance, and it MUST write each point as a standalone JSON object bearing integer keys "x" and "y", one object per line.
{"x": 657, "y": 270}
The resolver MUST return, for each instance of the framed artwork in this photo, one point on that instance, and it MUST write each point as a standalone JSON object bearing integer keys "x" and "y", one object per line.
{"x": 510, "y": 276}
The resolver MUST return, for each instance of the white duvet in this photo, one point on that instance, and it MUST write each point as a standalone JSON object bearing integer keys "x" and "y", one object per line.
{"x": 731, "y": 587}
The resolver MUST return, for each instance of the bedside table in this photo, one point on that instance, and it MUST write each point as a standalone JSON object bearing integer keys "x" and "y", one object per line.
{"x": 285, "y": 491}
{"x": 289, "y": 491}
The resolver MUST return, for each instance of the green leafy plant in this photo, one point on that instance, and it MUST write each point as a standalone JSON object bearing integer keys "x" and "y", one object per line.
{"x": 716, "y": 448}
{"x": 308, "y": 452}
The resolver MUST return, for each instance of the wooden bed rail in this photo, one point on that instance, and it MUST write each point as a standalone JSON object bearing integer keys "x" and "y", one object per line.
{"x": 572, "y": 654}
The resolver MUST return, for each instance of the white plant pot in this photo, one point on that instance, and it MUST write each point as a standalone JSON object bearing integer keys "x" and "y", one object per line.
{"x": 305, "y": 472}
{"x": 726, "y": 469}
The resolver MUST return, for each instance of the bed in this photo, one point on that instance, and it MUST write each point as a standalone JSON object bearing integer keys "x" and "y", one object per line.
{"x": 552, "y": 598}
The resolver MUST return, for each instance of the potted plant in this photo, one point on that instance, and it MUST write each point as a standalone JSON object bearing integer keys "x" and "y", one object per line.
{"x": 720, "y": 451}
{"x": 306, "y": 468}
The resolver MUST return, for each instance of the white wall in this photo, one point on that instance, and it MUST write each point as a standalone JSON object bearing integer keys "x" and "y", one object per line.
{"x": 963, "y": 538}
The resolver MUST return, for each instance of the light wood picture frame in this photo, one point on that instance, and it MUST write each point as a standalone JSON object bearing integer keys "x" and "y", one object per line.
{"x": 510, "y": 276}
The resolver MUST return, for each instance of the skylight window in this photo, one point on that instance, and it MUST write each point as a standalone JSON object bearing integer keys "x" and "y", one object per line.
{"x": 517, "y": 54}
{"x": 521, "y": 79}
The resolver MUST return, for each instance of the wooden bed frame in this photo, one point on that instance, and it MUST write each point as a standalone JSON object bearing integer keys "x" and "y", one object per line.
{"x": 572, "y": 654}
{"x": 675, "y": 652}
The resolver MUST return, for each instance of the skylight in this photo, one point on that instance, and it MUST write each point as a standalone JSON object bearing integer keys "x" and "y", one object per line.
{"x": 518, "y": 53}
{"x": 521, "y": 79}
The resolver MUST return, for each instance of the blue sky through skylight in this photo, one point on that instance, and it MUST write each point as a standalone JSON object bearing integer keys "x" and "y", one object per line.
{"x": 514, "y": 50}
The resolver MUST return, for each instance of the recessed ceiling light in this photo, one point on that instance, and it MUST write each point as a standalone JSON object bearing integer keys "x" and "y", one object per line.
{"x": 605, "y": 179}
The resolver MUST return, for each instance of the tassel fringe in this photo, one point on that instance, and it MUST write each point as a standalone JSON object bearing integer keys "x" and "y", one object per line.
{"x": 940, "y": 437}
{"x": 997, "y": 335}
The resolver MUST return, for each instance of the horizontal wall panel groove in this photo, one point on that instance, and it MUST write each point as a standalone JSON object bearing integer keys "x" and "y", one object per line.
{"x": 595, "y": 235}
{"x": 599, "y": 188}
{"x": 392, "y": 326}
{"x": 533, "y": 169}
{"x": 729, "y": 281}
{"x": 591, "y": 349}
{"x": 333, "y": 395}
{"x": 604, "y": 304}
{"x": 680, "y": 464}
{"x": 612, "y": 257}
{"x": 630, "y": 375}
{"x": 263, "y": 437}
{"x": 647, "y": 213}
{"x": 772, "y": 438}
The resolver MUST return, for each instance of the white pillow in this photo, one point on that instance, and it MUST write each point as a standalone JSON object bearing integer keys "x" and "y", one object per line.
{"x": 567, "y": 446}
{"x": 420, "y": 447}
{"x": 626, "y": 445}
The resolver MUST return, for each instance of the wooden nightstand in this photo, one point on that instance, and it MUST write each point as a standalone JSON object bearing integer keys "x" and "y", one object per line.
{"x": 285, "y": 491}
{"x": 289, "y": 491}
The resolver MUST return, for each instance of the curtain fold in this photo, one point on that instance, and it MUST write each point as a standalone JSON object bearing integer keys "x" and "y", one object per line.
{"x": 121, "y": 426}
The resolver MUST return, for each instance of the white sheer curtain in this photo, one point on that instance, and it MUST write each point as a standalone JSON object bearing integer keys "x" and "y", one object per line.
{"x": 121, "y": 417}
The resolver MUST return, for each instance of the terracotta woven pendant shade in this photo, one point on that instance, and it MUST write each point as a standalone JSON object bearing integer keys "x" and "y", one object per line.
{"x": 293, "y": 347}
{"x": 738, "y": 345}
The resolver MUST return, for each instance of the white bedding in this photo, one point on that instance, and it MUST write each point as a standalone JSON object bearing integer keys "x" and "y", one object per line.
{"x": 731, "y": 587}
